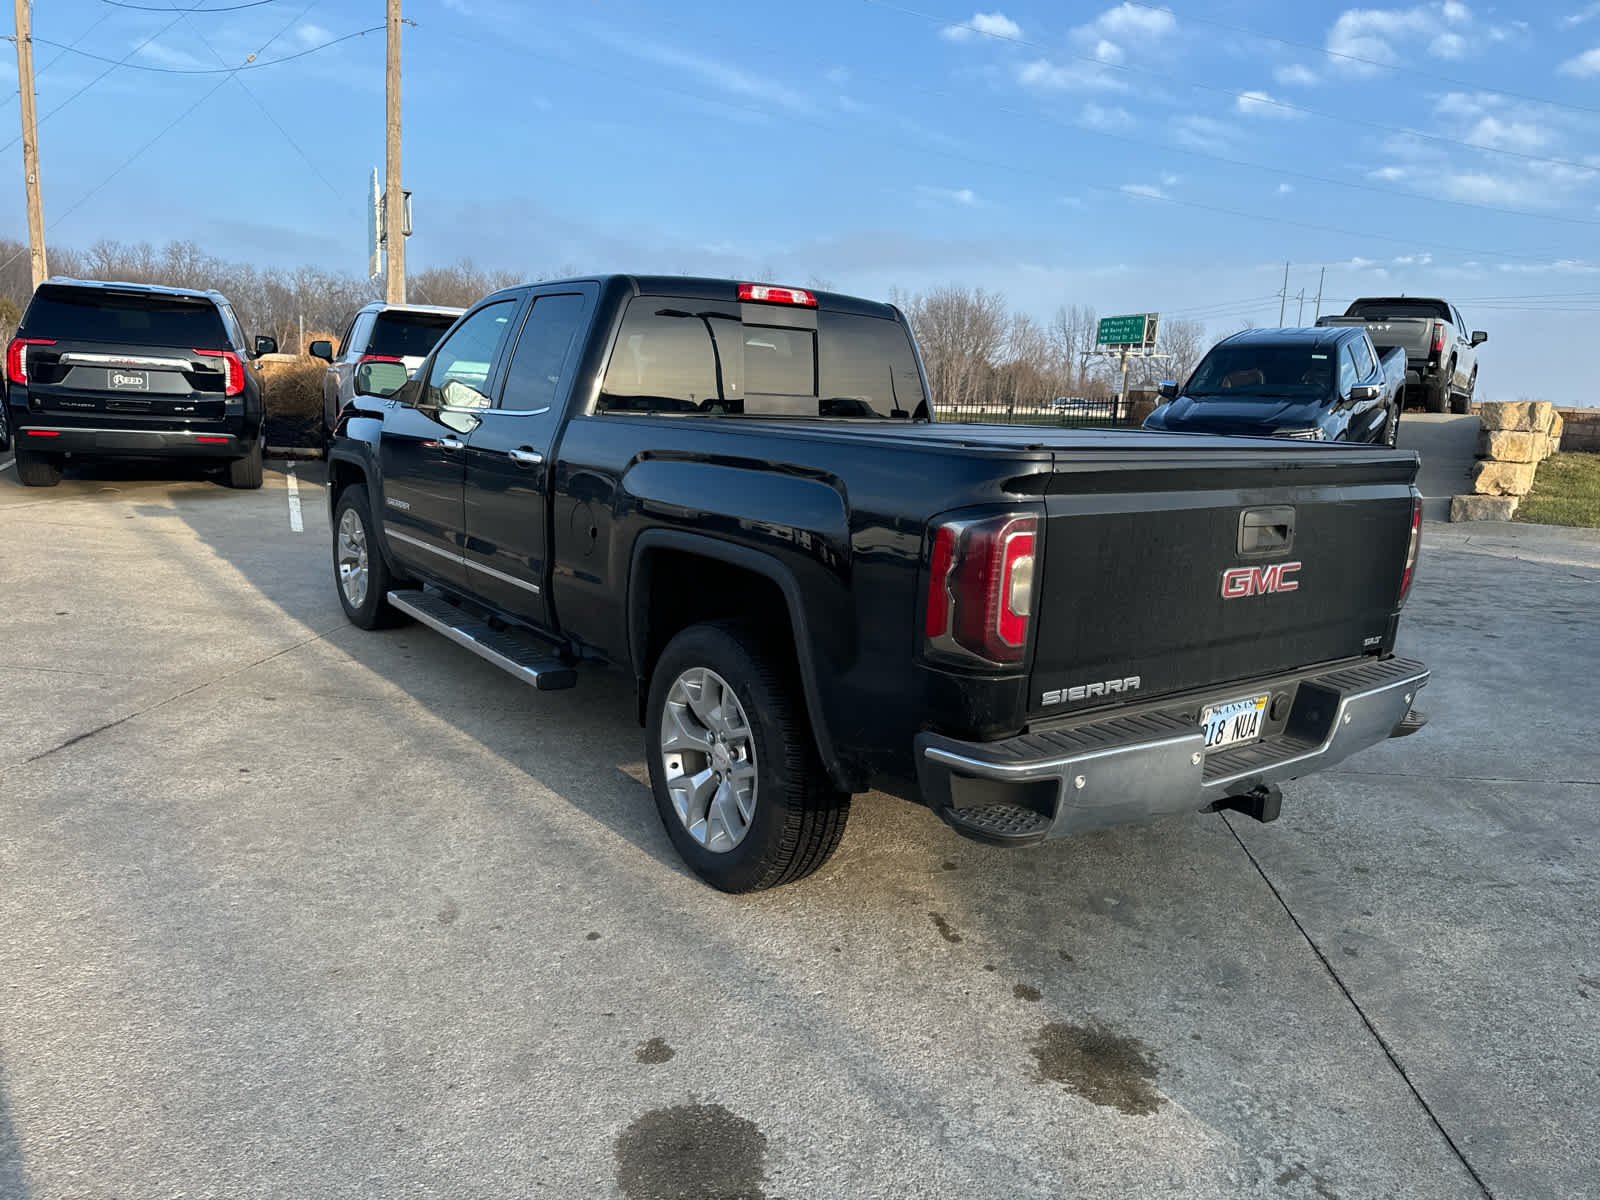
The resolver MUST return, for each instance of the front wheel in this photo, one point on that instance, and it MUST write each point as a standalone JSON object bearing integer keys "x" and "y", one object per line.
{"x": 360, "y": 573}
{"x": 736, "y": 778}
{"x": 1391, "y": 429}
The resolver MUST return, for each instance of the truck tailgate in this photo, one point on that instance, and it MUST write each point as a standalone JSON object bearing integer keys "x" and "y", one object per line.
{"x": 1412, "y": 334}
{"x": 1193, "y": 569}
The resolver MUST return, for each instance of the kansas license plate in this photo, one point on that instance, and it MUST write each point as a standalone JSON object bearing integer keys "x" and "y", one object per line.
{"x": 129, "y": 381}
{"x": 1234, "y": 722}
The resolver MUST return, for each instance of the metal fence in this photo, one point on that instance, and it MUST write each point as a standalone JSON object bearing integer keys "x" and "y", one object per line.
{"x": 1081, "y": 412}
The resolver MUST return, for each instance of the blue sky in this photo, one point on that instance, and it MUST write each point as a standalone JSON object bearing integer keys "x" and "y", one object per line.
{"x": 1124, "y": 156}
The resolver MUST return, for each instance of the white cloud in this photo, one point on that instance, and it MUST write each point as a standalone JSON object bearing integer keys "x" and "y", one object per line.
{"x": 1496, "y": 134}
{"x": 964, "y": 197}
{"x": 1296, "y": 75}
{"x": 167, "y": 56}
{"x": 1259, "y": 104}
{"x": 313, "y": 35}
{"x": 1098, "y": 116}
{"x": 1373, "y": 34}
{"x": 723, "y": 75}
{"x": 1390, "y": 174}
{"x": 1133, "y": 21}
{"x": 1147, "y": 191}
{"x": 1204, "y": 133}
{"x": 1285, "y": 188}
{"x": 1584, "y": 65}
{"x": 991, "y": 25}
{"x": 1108, "y": 52}
{"x": 1044, "y": 75}
{"x": 1587, "y": 13}
{"x": 1414, "y": 260}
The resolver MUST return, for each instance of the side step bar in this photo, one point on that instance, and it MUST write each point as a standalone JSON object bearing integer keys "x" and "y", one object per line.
{"x": 544, "y": 671}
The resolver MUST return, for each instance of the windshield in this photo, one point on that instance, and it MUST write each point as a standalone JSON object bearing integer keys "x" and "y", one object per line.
{"x": 1394, "y": 310}
{"x": 1264, "y": 373}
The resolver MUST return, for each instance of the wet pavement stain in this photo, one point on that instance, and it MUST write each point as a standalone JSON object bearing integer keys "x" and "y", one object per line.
{"x": 1025, "y": 991}
{"x": 591, "y": 936}
{"x": 691, "y": 1152}
{"x": 654, "y": 1052}
{"x": 1300, "y": 1171}
{"x": 943, "y": 926}
{"x": 449, "y": 913}
{"x": 1100, "y": 1065}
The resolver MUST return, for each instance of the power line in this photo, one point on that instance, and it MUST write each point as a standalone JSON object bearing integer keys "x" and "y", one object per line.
{"x": 1356, "y": 58}
{"x": 249, "y": 65}
{"x": 104, "y": 17}
{"x": 1248, "y": 97}
{"x": 162, "y": 8}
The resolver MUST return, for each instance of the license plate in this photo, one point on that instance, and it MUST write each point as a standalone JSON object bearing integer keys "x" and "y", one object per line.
{"x": 128, "y": 381}
{"x": 1234, "y": 722}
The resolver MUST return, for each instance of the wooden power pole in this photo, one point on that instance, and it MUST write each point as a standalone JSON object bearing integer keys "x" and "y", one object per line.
{"x": 394, "y": 239}
{"x": 30, "y": 143}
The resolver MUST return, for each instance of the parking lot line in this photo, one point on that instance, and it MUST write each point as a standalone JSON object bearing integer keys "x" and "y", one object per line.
{"x": 8, "y": 462}
{"x": 295, "y": 523}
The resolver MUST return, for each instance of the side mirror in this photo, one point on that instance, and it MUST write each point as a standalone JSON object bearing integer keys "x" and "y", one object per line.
{"x": 1362, "y": 392}
{"x": 321, "y": 348}
{"x": 265, "y": 345}
{"x": 1479, "y": 337}
{"x": 380, "y": 378}
{"x": 1168, "y": 389}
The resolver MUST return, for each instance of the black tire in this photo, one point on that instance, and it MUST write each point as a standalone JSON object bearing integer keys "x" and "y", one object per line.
{"x": 1461, "y": 404}
{"x": 246, "y": 473}
{"x": 1391, "y": 427}
{"x": 1437, "y": 398}
{"x": 798, "y": 816}
{"x": 38, "y": 470}
{"x": 368, "y": 606}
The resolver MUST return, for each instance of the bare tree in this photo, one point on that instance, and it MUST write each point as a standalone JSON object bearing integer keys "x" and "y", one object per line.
{"x": 961, "y": 333}
{"x": 1186, "y": 342}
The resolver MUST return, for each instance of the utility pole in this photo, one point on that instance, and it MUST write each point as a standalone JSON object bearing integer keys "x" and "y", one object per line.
{"x": 1320, "y": 278}
{"x": 1283, "y": 295}
{"x": 30, "y": 142}
{"x": 395, "y": 197}
{"x": 1300, "y": 317}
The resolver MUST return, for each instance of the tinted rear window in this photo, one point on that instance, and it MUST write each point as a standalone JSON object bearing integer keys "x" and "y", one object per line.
{"x": 683, "y": 355}
{"x": 406, "y": 335}
{"x": 139, "y": 319}
{"x": 1390, "y": 310}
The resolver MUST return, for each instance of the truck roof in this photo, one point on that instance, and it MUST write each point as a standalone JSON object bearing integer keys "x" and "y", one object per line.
{"x": 692, "y": 287}
{"x": 1313, "y": 338}
{"x": 156, "y": 289}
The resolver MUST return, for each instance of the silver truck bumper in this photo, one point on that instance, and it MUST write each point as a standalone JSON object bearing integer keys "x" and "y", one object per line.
{"x": 1070, "y": 778}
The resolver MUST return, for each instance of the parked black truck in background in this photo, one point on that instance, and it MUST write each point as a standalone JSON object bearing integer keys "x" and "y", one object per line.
{"x": 733, "y": 491}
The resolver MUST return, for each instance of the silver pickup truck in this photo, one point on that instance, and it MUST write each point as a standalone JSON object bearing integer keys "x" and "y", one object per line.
{"x": 1441, "y": 357}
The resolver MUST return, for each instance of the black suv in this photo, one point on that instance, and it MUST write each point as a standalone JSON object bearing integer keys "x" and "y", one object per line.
{"x": 101, "y": 370}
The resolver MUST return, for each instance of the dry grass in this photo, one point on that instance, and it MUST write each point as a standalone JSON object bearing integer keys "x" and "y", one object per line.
{"x": 1566, "y": 491}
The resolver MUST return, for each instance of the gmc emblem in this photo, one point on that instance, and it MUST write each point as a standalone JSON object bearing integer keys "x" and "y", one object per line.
{"x": 1259, "y": 581}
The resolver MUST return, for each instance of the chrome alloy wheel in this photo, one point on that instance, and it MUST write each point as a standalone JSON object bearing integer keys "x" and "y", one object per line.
{"x": 709, "y": 757}
{"x": 351, "y": 559}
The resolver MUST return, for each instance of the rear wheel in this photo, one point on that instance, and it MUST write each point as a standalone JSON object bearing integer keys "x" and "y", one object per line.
{"x": 360, "y": 574}
{"x": 247, "y": 472}
{"x": 38, "y": 470}
{"x": 735, "y": 774}
{"x": 1461, "y": 404}
{"x": 1437, "y": 397}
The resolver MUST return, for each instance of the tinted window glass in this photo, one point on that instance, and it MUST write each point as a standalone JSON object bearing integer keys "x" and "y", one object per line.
{"x": 408, "y": 335}
{"x": 676, "y": 355}
{"x": 459, "y": 377}
{"x": 1347, "y": 372}
{"x": 1380, "y": 310}
{"x": 89, "y": 315}
{"x": 1252, "y": 372}
{"x": 534, "y": 377}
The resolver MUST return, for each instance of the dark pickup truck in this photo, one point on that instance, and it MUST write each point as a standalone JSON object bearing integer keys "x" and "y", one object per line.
{"x": 735, "y": 492}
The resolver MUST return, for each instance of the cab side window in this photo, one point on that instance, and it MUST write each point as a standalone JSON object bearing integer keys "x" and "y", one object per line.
{"x": 459, "y": 376}
{"x": 1364, "y": 362}
{"x": 1347, "y": 371}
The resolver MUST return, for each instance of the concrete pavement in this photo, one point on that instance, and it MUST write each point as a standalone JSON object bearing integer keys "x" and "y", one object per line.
{"x": 1448, "y": 447}
{"x": 294, "y": 909}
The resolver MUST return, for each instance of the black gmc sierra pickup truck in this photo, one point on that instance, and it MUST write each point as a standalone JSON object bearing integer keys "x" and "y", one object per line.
{"x": 736, "y": 492}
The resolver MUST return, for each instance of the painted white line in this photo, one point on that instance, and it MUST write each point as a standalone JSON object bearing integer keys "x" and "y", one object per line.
{"x": 295, "y": 523}
{"x": 10, "y": 462}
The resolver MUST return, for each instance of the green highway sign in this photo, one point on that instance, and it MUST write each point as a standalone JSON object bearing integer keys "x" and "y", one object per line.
{"x": 1136, "y": 329}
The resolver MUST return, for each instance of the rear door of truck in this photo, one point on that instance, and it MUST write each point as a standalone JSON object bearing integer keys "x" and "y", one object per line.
{"x": 1172, "y": 569}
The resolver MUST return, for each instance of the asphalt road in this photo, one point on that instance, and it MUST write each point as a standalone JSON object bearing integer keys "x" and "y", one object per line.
{"x": 289, "y": 909}
{"x": 1447, "y": 445}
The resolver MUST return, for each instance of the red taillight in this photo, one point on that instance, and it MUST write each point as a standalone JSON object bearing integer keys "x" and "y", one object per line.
{"x": 1438, "y": 337}
{"x": 232, "y": 369}
{"x": 1412, "y": 548}
{"x": 980, "y": 588}
{"x": 17, "y": 357}
{"x": 776, "y": 295}
{"x": 366, "y": 358}
{"x": 211, "y": 441}
{"x": 44, "y": 433}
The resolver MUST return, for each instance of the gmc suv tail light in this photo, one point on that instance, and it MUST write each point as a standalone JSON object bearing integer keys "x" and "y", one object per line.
{"x": 980, "y": 588}
{"x": 1412, "y": 547}
{"x": 17, "y": 357}
{"x": 232, "y": 367}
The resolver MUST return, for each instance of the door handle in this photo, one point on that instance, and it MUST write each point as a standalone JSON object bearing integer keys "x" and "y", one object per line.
{"x": 450, "y": 444}
{"x": 526, "y": 457}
